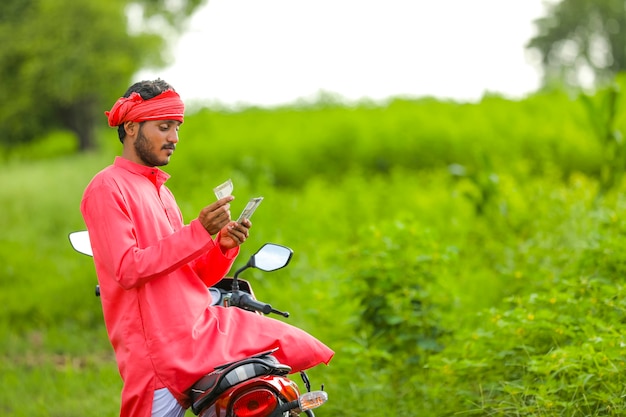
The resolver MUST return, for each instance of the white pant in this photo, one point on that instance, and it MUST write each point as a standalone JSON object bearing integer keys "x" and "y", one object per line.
{"x": 165, "y": 405}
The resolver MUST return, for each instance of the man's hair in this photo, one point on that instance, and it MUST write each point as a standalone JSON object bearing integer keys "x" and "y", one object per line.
{"x": 147, "y": 90}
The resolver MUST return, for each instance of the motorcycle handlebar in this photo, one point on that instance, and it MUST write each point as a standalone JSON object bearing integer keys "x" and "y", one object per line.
{"x": 245, "y": 301}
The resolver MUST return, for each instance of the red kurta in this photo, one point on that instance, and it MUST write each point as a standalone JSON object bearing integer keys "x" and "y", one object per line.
{"x": 153, "y": 273}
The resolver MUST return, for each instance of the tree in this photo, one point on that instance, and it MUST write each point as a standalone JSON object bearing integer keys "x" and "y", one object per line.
{"x": 63, "y": 61}
{"x": 582, "y": 42}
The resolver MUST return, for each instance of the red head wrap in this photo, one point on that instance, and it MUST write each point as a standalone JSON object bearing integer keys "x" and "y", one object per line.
{"x": 165, "y": 106}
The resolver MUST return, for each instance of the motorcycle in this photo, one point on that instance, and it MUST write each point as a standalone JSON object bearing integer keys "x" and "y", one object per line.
{"x": 257, "y": 386}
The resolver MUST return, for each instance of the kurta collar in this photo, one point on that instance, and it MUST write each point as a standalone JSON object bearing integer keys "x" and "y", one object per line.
{"x": 154, "y": 174}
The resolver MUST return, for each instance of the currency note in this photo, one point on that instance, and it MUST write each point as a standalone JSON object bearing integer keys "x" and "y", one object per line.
{"x": 224, "y": 189}
{"x": 249, "y": 209}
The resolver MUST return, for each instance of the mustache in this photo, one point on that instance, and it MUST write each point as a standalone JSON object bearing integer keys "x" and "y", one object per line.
{"x": 171, "y": 146}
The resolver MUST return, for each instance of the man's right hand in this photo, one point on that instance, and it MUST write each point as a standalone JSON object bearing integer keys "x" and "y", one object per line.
{"x": 217, "y": 215}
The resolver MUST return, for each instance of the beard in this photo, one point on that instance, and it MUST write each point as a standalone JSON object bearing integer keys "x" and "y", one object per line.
{"x": 145, "y": 151}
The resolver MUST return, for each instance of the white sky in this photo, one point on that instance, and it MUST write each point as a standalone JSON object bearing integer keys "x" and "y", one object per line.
{"x": 272, "y": 52}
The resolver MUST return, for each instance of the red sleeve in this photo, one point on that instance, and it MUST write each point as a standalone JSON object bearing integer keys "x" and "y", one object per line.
{"x": 115, "y": 243}
{"x": 212, "y": 266}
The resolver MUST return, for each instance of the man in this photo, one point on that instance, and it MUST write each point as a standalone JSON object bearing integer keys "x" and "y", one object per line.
{"x": 154, "y": 271}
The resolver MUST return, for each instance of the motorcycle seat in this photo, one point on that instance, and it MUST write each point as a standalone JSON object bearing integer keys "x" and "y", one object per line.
{"x": 210, "y": 386}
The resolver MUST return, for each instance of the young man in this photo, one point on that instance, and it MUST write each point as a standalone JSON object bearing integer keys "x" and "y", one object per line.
{"x": 154, "y": 271}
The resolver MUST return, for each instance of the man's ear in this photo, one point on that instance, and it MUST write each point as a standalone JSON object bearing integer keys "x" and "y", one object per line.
{"x": 131, "y": 128}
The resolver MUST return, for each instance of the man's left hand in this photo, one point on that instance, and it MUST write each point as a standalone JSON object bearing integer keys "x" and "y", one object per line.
{"x": 234, "y": 234}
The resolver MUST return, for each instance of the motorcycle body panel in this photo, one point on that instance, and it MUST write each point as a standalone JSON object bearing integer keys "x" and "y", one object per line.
{"x": 284, "y": 389}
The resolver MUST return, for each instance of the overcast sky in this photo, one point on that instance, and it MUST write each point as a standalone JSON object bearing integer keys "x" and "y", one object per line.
{"x": 271, "y": 52}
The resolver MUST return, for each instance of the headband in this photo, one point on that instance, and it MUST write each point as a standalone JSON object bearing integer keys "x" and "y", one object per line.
{"x": 165, "y": 106}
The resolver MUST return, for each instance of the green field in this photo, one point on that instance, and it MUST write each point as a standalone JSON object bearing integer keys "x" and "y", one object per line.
{"x": 461, "y": 259}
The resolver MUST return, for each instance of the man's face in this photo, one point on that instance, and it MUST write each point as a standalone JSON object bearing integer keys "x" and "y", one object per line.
{"x": 156, "y": 142}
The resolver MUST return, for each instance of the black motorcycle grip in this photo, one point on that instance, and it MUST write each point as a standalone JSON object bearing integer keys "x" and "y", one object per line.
{"x": 246, "y": 301}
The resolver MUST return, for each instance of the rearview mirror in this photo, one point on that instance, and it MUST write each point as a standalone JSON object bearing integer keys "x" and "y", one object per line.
{"x": 80, "y": 242}
{"x": 271, "y": 257}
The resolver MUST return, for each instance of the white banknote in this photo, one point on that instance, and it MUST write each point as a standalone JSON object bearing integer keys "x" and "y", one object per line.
{"x": 224, "y": 189}
{"x": 249, "y": 209}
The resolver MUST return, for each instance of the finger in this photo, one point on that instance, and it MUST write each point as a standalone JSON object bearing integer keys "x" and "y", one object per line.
{"x": 240, "y": 228}
{"x": 221, "y": 209}
{"x": 223, "y": 215}
{"x": 220, "y": 214}
{"x": 224, "y": 200}
{"x": 238, "y": 235}
{"x": 219, "y": 204}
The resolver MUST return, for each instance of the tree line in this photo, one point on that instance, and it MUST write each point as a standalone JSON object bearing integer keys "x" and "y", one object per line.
{"x": 63, "y": 61}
